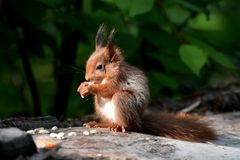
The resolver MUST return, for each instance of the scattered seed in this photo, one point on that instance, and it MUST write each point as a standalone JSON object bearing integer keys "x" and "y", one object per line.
{"x": 38, "y": 129}
{"x": 43, "y": 131}
{"x": 31, "y": 132}
{"x": 54, "y": 128}
{"x": 54, "y": 135}
{"x": 86, "y": 133}
{"x": 93, "y": 131}
{"x": 72, "y": 134}
{"x": 60, "y": 135}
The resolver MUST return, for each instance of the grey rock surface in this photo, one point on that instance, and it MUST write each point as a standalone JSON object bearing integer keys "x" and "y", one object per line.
{"x": 109, "y": 145}
{"x": 14, "y": 142}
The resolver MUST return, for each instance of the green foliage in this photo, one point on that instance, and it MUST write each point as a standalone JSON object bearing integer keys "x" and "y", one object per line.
{"x": 180, "y": 44}
{"x": 135, "y": 7}
{"x": 194, "y": 57}
{"x": 213, "y": 53}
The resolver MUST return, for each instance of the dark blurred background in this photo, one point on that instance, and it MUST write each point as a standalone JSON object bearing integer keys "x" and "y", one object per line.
{"x": 182, "y": 45}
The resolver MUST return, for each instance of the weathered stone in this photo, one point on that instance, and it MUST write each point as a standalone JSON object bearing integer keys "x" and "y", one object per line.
{"x": 14, "y": 142}
{"x": 105, "y": 144}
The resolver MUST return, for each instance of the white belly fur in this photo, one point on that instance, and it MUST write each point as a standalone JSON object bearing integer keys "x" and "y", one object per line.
{"x": 108, "y": 109}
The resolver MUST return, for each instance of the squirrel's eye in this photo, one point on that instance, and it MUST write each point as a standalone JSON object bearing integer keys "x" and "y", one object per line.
{"x": 99, "y": 67}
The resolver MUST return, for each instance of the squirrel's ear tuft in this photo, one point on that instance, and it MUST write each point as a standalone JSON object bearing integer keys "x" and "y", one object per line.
{"x": 111, "y": 37}
{"x": 114, "y": 53}
{"x": 101, "y": 36}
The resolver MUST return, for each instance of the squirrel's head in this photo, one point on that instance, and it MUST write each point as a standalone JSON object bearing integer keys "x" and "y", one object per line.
{"x": 105, "y": 60}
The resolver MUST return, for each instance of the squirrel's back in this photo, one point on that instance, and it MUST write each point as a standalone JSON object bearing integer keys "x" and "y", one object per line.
{"x": 135, "y": 81}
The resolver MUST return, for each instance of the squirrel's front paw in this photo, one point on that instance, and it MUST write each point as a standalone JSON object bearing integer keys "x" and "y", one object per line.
{"x": 90, "y": 124}
{"x": 84, "y": 89}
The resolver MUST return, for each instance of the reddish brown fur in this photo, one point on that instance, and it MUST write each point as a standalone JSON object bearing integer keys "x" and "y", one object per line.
{"x": 126, "y": 89}
{"x": 183, "y": 127}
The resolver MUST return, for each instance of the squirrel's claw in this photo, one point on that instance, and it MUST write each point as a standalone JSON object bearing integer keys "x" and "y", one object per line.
{"x": 83, "y": 89}
{"x": 117, "y": 128}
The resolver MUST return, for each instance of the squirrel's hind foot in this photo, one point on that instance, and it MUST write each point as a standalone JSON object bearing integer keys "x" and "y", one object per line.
{"x": 117, "y": 128}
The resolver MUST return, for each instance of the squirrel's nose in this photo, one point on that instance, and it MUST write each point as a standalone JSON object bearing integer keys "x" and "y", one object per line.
{"x": 87, "y": 77}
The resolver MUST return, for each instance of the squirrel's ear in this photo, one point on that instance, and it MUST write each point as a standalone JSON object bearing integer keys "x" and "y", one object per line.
{"x": 114, "y": 53}
{"x": 101, "y": 36}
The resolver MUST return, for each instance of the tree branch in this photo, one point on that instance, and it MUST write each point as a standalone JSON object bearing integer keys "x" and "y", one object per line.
{"x": 64, "y": 79}
{"x": 29, "y": 75}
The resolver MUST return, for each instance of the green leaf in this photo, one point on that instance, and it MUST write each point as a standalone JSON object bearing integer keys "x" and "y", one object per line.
{"x": 188, "y": 5}
{"x": 215, "y": 22}
{"x": 217, "y": 56}
{"x": 176, "y": 13}
{"x": 220, "y": 58}
{"x": 140, "y": 7}
{"x": 135, "y": 7}
{"x": 123, "y": 4}
{"x": 193, "y": 57}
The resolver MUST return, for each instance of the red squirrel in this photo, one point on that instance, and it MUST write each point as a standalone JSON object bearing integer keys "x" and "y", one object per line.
{"x": 121, "y": 96}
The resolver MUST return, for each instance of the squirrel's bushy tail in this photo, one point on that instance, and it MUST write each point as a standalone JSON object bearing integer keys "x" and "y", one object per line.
{"x": 180, "y": 126}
